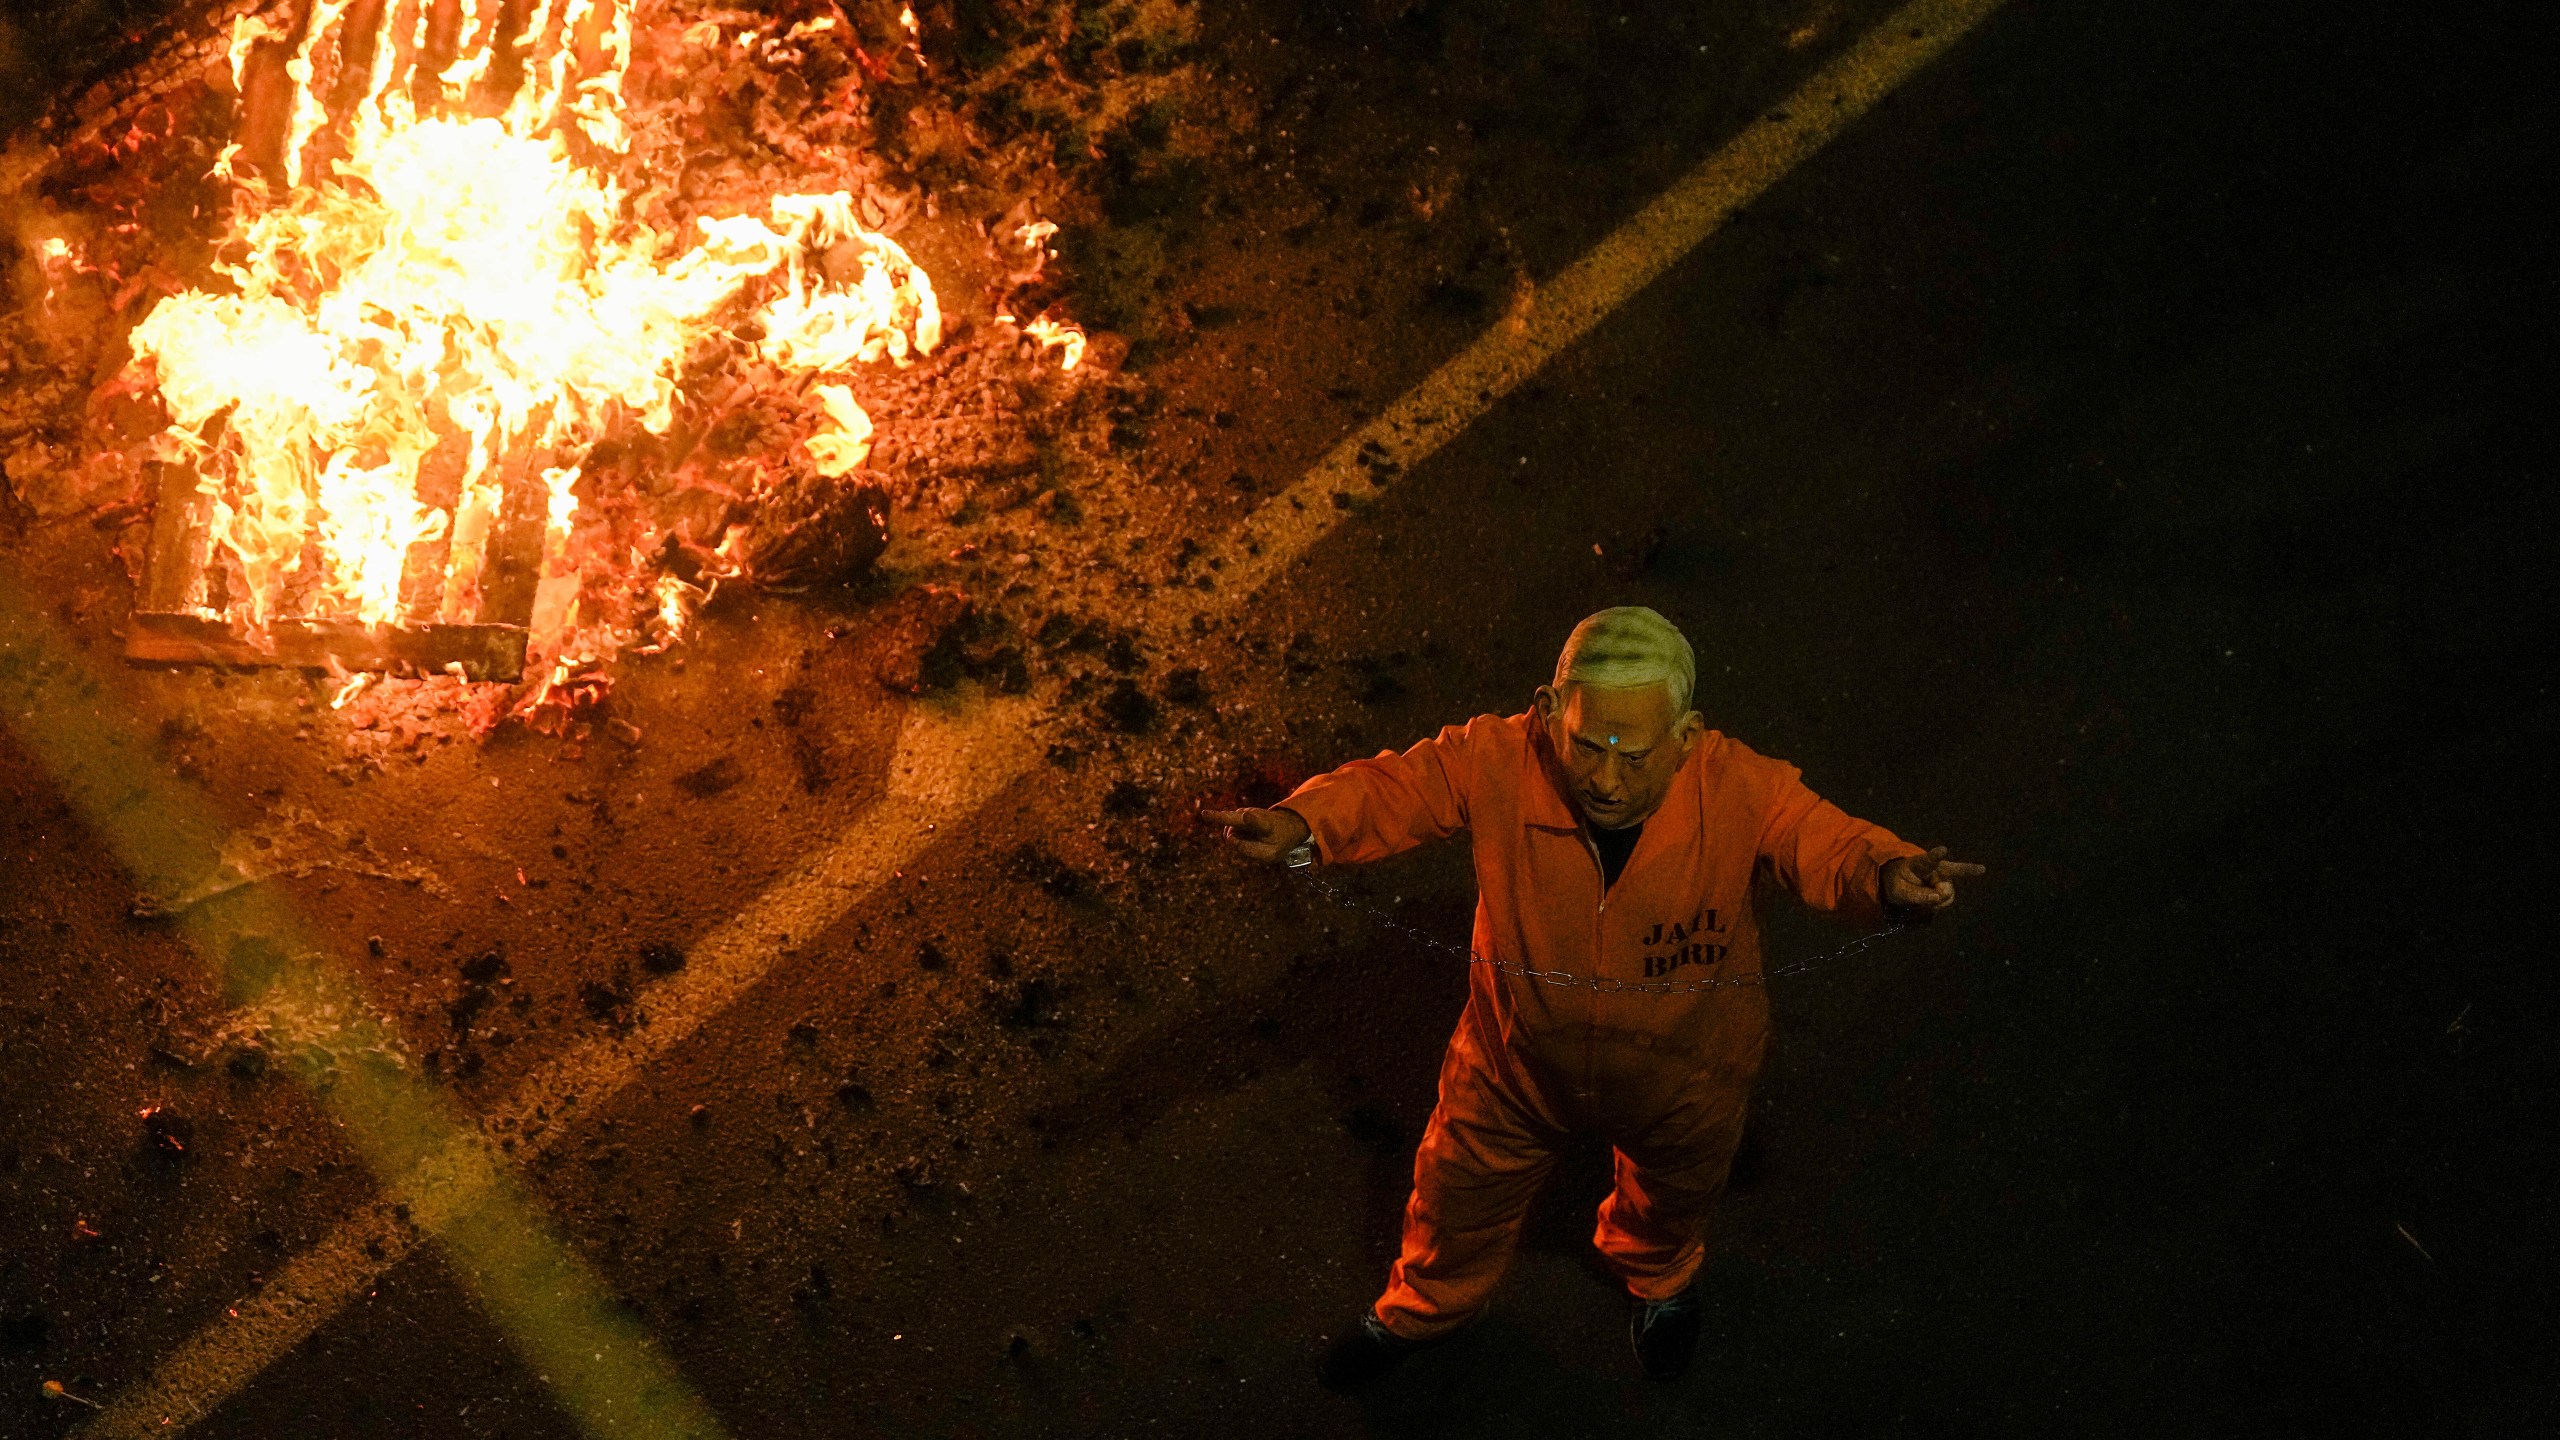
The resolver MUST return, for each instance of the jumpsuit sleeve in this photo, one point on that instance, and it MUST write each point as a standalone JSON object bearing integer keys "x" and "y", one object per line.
{"x": 1371, "y": 809}
{"x": 1828, "y": 857}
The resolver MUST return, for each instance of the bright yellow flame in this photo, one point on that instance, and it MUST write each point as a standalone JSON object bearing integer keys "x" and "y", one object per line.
{"x": 467, "y": 299}
{"x": 1064, "y": 336}
{"x": 58, "y": 261}
{"x": 1058, "y": 335}
{"x": 840, "y": 449}
{"x": 915, "y": 36}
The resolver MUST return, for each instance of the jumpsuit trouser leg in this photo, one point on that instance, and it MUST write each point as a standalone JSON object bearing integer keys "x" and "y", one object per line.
{"x": 1482, "y": 1158}
{"x": 1669, "y": 1176}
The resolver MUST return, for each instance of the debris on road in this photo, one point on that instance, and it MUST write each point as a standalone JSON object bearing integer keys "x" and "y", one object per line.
{"x": 918, "y": 637}
{"x": 1127, "y": 708}
{"x": 294, "y": 841}
{"x": 165, "y": 1132}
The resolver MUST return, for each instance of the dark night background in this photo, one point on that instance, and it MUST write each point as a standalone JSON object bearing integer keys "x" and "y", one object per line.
{"x": 2124, "y": 457}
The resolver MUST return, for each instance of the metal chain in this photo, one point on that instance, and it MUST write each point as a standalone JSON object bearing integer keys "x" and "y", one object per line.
{"x": 1339, "y": 896}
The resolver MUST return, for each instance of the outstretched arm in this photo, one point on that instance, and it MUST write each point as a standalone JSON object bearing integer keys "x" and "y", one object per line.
{"x": 1836, "y": 862}
{"x": 1370, "y": 809}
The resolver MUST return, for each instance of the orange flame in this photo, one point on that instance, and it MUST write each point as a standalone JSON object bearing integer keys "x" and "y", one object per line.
{"x": 433, "y": 296}
{"x": 1064, "y": 336}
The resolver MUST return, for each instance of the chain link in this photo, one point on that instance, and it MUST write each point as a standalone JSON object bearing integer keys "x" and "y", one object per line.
{"x": 1339, "y": 896}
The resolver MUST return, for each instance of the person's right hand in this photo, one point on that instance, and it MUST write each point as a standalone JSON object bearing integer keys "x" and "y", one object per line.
{"x": 1264, "y": 835}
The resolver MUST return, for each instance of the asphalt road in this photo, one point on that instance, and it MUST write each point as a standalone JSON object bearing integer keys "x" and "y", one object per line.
{"x": 2109, "y": 458}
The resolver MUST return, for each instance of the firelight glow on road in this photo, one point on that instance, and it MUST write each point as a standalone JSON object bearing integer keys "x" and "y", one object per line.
{"x": 928, "y": 793}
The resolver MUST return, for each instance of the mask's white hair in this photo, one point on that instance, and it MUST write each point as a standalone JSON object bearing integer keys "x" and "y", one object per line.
{"x": 1626, "y": 646}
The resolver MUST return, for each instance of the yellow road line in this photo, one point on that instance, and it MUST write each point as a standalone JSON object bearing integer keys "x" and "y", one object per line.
{"x": 956, "y": 755}
{"x": 218, "y": 1361}
{"x": 1586, "y": 292}
{"x": 427, "y": 1152}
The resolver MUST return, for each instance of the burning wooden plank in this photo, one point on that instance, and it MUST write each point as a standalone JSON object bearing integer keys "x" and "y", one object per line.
{"x": 485, "y": 652}
{"x": 181, "y": 616}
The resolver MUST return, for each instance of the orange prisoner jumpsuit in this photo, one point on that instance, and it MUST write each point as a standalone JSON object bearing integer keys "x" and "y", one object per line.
{"x": 1663, "y": 1076}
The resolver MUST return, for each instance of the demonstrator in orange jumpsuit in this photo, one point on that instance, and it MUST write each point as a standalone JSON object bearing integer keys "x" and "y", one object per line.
{"x": 1616, "y": 838}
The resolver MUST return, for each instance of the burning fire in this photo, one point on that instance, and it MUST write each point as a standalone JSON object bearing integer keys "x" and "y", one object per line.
{"x": 1049, "y": 332}
{"x": 58, "y": 261}
{"x": 430, "y": 306}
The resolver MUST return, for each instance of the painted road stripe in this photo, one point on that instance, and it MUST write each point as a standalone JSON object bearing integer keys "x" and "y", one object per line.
{"x": 1584, "y": 293}
{"x": 424, "y": 1149}
{"x": 955, "y": 755}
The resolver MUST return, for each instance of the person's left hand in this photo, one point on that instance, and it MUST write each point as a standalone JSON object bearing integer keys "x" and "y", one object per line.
{"x": 1925, "y": 883}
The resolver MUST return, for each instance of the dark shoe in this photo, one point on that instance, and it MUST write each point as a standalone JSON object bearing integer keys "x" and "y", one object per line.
{"x": 1665, "y": 1333}
{"x": 1365, "y": 1353}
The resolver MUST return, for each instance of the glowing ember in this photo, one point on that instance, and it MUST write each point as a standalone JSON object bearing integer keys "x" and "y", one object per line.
{"x": 436, "y": 305}
{"x": 58, "y": 261}
{"x": 1050, "y": 332}
{"x": 1058, "y": 335}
